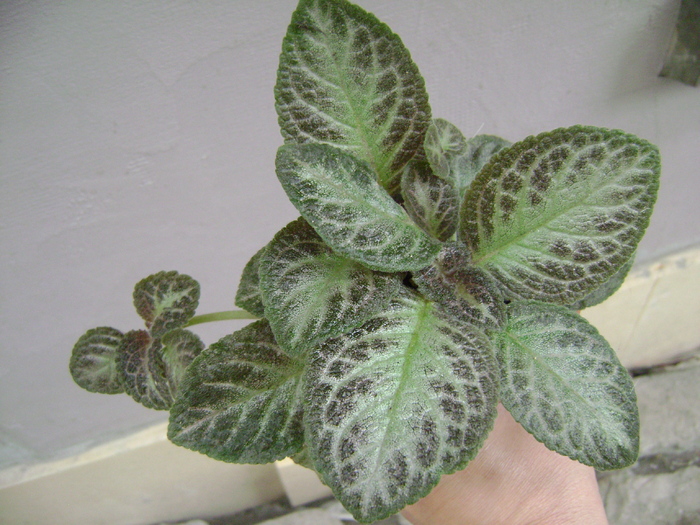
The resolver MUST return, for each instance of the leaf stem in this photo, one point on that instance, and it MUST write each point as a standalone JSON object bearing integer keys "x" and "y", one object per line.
{"x": 221, "y": 316}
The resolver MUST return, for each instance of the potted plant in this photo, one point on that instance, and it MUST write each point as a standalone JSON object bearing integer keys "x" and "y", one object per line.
{"x": 428, "y": 278}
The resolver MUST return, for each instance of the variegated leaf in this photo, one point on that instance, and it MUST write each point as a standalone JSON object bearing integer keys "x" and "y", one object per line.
{"x": 555, "y": 216}
{"x": 562, "y": 382}
{"x": 356, "y": 217}
{"x": 478, "y": 152}
{"x": 345, "y": 79}
{"x": 608, "y": 288}
{"x": 397, "y": 403}
{"x": 432, "y": 202}
{"x": 141, "y": 364}
{"x": 180, "y": 348}
{"x": 248, "y": 295}
{"x": 93, "y": 363}
{"x": 312, "y": 293}
{"x": 444, "y": 148}
{"x": 241, "y": 400}
{"x": 464, "y": 290}
{"x": 166, "y": 301}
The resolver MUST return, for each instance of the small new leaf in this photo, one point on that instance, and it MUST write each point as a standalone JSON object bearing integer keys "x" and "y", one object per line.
{"x": 241, "y": 400}
{"x": 444, "y": 147}
{"x": 93, "y": 363}
{"x": 555, "y": 216}
{"x": 397, "y": 403}
{"x": 141, "y": 364}
{"x": 248, "y": 295}
{"x": 432, "y": 202}
{"x": 166, "y": 301}
{"x": 475, "y": 156}
{"x": 339, "y": 197}
{"x": 180, "y": 348}
{"x": 564, "y": 384}
{"x": 346, "y": 79}
{"x": 312, "y": 293}
{"x": 464, "y": 290}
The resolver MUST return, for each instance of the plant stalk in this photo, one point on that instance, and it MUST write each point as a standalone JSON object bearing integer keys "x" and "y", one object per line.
{"x": 221, "y": 316}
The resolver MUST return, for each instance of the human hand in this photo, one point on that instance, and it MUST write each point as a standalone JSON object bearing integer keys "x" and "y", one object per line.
{"x": 514, "y": 480}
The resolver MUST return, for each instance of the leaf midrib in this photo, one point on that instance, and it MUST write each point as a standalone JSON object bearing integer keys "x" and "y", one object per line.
{"x": 546, "y": 219}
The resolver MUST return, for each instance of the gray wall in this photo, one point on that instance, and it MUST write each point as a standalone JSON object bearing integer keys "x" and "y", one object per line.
{"x": 140, "y": 136}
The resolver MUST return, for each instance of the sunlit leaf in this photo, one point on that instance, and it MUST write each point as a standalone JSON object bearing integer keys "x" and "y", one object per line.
{"x": 248, "y": 295}
{"x": 432, "y": 202}
{"x": 93, "y": 363}
{"x": 241, "y": 400}
{"x": 464, "y": 290}
{"x": 166, "y": 301}
{"x": 555, "y": 216}
{"x": 312, "y": 293}
{"x": 562, "y": 382}
{"x": 397, "y": 403}
{"x": 339, "y": 197}
{"x": 345, "y": 79}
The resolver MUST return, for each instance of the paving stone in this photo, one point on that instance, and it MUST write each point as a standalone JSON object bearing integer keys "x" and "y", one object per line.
{"x": 669, "y": 409}
{"x": 656, "y": 499}
{"x": 305, "y": 517}
{"x": 663, "y": 487}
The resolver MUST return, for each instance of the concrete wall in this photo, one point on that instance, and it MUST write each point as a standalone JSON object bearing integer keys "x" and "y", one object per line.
{"x": 140, "y": 136}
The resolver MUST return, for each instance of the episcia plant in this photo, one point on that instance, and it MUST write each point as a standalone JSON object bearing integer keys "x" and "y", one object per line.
{"x": 429, "y": 278}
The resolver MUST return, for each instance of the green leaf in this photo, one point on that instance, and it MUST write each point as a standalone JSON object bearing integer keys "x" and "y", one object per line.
{"x": 464, "y": 290}
{"x": 248, "y": 295}
{"x": 312, "y": 293}
{"x": 444, "y": 148}
{"x": 166, "y": 301}
{"x": 241, "y": 400}
{"x": 555, "y": 216}
{"x": 397, "y": 403}
{"x": 141, "y": 364}
{"x": 432, "y": 203}
{"x": 180, "y": 348}
{"x": 475, "y": 156}
{"x": 562, "y": 382}
{"x": 345, "y": 79}
{"x": 339, "y": 197}
{"x": 608, "y": 288}
{"x": 93, "y": 361}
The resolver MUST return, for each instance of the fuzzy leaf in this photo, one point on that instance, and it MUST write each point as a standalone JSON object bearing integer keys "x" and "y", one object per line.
{"x": 464, "y": 290}
{"x": 141, "y": 364}
{"x": 555, "y": 216}
{"x": 312, "y": 293}
{"x": 477, "y": 153}
{"x": 608, "y": 288}
{"x": 339, "y": 197}
{"x": 395, "y": 404}
{"x": 432, "y": 203}
{"x": 93, "y": 363}
{"x": 180, "y": 348}
{"x": 166, "y": 301}
{"x": 345, "y": 79}
{"x": 241, "y": 400}
{"x": 248, "y": 295}
{"x": 444, "y": 147}
{"x": 562, "y": 382}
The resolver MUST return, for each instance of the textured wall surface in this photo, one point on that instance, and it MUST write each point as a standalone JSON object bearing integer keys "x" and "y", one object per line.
{"x": 140, "y": 136}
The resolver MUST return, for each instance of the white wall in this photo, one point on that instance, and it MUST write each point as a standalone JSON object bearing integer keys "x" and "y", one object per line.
{"x": 140, "y": 136}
